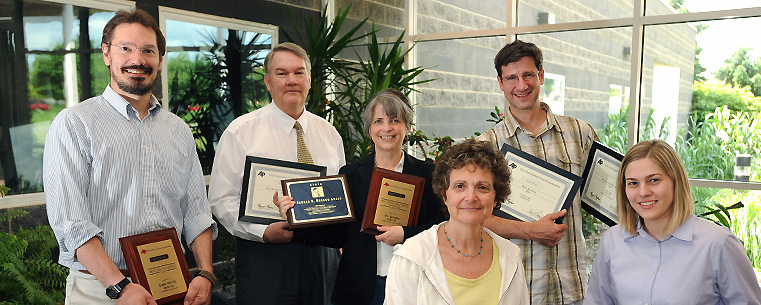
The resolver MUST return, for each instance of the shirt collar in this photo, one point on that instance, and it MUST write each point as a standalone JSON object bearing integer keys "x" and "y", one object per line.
{"x": 512, "y": 124}
{"x": 400, "y": 167}
{"x": 286, "y": 122}
{"x": 122, "y": 106}
{"x": 684, "y": 232}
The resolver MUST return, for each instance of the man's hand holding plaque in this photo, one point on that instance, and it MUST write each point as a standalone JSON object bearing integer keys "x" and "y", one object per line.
{"x": 393, "y": 200}
{"x": 308, "y": 202}
{"x": 156, "y": 261}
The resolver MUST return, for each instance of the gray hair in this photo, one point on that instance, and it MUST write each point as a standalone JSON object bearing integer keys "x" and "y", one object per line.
{"x": 394, "y": 103}
{"x": 287, "y": 47}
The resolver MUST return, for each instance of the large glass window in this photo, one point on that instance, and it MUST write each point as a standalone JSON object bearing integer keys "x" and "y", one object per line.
{"x": 442, "y": 16}
{"x": 465, "y": 90}
{"x": 531, "y": 12}
{"x": 52, "y": 60}
{"x": 213, "y": 72}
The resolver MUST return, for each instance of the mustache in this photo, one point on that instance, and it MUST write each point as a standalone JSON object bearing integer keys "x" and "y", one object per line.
{"x": 145, "y": 68}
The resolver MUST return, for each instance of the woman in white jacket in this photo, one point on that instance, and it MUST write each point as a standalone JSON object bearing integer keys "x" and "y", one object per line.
{"x": 455, "y": 262}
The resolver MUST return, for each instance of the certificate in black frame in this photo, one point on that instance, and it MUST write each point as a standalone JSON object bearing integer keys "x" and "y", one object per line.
{"x": 319, "y": 201}
{"x": 518, "y": 209}
{"x": 603, "y": 164}
{"x": 265, "y": 175}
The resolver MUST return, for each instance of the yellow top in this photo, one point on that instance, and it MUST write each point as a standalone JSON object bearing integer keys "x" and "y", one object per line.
{"x": 481, "y": 290}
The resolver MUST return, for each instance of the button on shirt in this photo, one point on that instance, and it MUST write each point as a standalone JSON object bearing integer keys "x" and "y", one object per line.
{"x": 700, "y": 263}
{"x": 555, "y": 275}
{"x": 267, "y": 132}
{"x": 108, "y": 174}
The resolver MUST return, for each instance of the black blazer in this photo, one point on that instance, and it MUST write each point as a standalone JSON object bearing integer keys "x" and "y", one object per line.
{"x": 355, "y": 281}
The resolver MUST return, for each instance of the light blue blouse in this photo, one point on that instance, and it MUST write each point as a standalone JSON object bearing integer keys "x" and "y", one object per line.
{"x": 700, "y": 263}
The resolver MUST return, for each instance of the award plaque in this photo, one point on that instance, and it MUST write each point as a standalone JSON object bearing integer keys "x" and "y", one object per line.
{"x": 261, "y": 179}
{"x": 537, "y": 187}
{"x": 319, "y": 201}
{"x": 393, "y": 200}
{"x": 156, "y": 261}
{"x": 598, "y": 191}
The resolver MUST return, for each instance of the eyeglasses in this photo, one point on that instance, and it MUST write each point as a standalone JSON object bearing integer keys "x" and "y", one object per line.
{"x": 527, "y": 77}
{"x": 126, "y": 49}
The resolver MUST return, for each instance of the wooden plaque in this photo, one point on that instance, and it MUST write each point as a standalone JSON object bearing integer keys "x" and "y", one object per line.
{"x": 319, "y": 201}
{"x": 393, "y": 200}
{"x": 156, "y": 261}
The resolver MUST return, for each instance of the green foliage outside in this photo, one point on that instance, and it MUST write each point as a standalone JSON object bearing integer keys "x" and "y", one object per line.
{"x": 742, "y": 71}
{"x": 707, "y": 97}
{"x": 210, "y": 89}
{"x": 28, "y": 275}
{"x": 46, "y": 75}
{"x": 723, "y": 124}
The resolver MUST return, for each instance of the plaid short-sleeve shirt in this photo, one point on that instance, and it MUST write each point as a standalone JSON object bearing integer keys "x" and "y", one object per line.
{"x": 556, "y": 275}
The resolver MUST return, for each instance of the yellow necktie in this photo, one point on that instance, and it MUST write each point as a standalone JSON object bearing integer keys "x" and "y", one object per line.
{"x": 302, "y": 153}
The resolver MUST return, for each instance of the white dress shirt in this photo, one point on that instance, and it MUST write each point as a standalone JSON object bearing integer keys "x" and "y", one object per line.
{"x": 267, "y": 132}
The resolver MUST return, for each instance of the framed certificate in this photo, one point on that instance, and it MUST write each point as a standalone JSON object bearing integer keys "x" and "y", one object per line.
{"x": 598, "y": 191}
{"x": 537, "y": 188}
{"x": 261, "y": 179}
{"x": 319, "y": 201}
{"x": 156, "y": 261}
{"x": 393, "y": 200}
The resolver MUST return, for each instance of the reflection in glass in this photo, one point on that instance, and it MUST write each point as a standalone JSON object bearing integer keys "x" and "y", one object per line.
{"x": 46, "y": 74}
{"x": 215, "y": 75}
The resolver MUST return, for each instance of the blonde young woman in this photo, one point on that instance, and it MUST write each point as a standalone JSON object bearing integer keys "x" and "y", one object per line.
{"x": 459, "y": 261}
{"x": 660, "y": 253}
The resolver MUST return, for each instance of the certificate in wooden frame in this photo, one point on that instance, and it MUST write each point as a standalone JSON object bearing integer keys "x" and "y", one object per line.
{"x": 319, "y": 201}
{"x": 393, "y": 200}
{"x": 598, "y": 190}
{"x": 537, "y": 187}
{"x": 261, "y": 179}
{"x": 156, "y": 261}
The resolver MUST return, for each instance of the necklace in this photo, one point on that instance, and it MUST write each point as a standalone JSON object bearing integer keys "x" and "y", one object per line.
{"x": 458, "y": 250}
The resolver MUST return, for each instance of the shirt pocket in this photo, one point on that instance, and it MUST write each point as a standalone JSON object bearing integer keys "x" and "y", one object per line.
{"x": 569, "y": 163}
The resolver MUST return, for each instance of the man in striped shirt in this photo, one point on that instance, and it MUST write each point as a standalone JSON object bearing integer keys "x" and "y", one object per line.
{"x": 554, "y": 255}
{"x": 119, "y": 164}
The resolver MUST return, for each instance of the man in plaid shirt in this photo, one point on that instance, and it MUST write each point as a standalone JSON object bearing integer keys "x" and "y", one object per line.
{"x": 554, "y": 255}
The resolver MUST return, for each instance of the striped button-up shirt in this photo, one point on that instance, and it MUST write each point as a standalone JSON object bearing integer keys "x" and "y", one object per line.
{"x": 108, "y": 174}
{"x": 556, "y": 275}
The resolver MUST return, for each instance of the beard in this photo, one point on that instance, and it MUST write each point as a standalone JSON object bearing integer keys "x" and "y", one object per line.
{"x": 136, "y": 85}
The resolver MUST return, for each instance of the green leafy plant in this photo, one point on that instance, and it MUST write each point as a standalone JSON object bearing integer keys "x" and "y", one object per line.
{"x": 29, "y": 276}
{"x": 721, "y": 215}
{"x": 211, "y": 90}
{"x": 325, "y": 41}
{"x": 496, "y": 116}
{"x": 341, "y": 87}
{"x": 4, "y": 190}
{"x": 383, "y": 68}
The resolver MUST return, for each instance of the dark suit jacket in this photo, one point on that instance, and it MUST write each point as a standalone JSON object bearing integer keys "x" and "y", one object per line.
{"x": 355, "y": 281}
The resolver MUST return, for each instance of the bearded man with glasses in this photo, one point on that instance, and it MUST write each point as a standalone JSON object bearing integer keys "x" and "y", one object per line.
{"x": 554, "y": 255}
{"x": 118, "y": 164}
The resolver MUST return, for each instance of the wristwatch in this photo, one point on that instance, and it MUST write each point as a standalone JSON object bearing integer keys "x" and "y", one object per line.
{"x": 115, "y": 291}
{"x": 207, "y": 275}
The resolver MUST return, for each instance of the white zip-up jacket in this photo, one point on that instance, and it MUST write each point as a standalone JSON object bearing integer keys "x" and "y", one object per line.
{"x": 416, "y": 274}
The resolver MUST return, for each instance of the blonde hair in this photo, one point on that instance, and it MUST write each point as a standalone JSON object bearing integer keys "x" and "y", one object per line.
{"x": 665, "y": 156}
